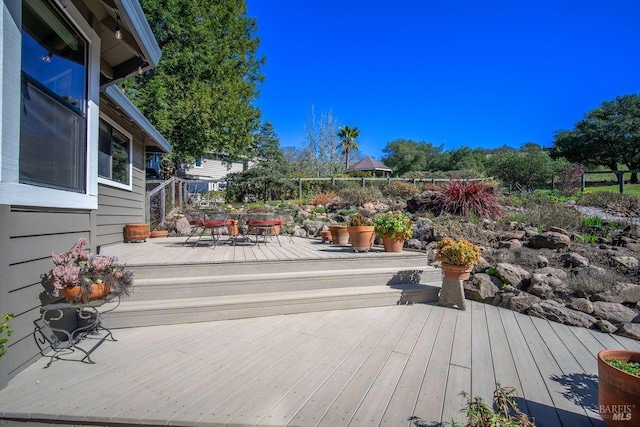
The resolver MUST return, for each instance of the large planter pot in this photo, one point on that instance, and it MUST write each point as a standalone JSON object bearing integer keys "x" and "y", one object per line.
{"x": 76, "y": 293}
{"x": 361, "y": 237}
{"x": 618, "y": 391}
{"x": 158, "y": 233}
{"x": 325, "y": 235}
{"x": 392, "y": 245}
{"x": 137, "y": 232}
{"x": 233, "y": 228}
{"x": 459, "y": 272}
{"x": 339, "y": 235}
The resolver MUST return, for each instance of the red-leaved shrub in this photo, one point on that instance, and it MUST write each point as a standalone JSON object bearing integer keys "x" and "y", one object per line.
{"x": 468, "y": 198}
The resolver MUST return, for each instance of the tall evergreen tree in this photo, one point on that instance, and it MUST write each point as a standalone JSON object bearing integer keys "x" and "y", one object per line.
{"x": 201, "y": 93}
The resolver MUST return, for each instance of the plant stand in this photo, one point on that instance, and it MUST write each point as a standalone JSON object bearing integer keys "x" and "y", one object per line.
{"x": 452, "y": 294}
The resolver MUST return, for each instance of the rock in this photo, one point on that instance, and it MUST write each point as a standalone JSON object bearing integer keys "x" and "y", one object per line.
{"x": 480, "y": 288}
{"x": 632, "y": 230}
{"x": 558, "y": 230}
{"x": 621, "y": 292}
{"x": 634, "y": 247}
{"x": 552, "y": 310}
{"x": 581, "y": 304}
{"x": 553, "y": 272}
{"x": 513, "y": 235}
{"x": 550, "y": 240}
{"x": 513, "y": 275}
{"x": 414, "y": 244}
{"x": 519, "y": 303}
{"x": 605, "y": 326}
{"x": 625, "y": 261}
{"x": 615, "y": 313}
{"x": 629, "y": 330}
{"x": 299, "y": 231}
{"x": 547, "y": 286}
{"x": 183, "y": 227}
{"x": 312, "y": 228}
{"x": 301, "y": 213}
{"x": 530, "y": 231}
{"x": 573, "y": 259}
{"x": 542, "y": 261}
{"x": 510, "y": 244}
{"x": 423, "y": 230}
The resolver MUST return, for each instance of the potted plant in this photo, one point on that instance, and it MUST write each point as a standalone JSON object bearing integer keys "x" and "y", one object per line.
{"x": 361, "y": 233}
{"x": 394, "y": 228}
{"x": 457, "y": 257}
{"x": 80, "y": 277}
{"x": 619, "y": 386}
{"x": 339, "y": 234}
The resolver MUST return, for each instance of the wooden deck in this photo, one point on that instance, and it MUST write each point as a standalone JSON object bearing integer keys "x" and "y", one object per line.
{"x": 172, "y": 250}
{"x": 362, "y": 367}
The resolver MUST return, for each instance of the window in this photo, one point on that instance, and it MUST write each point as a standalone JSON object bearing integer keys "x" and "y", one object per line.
{"x": 114, "y": 155}
{"x": 198, "y": 163}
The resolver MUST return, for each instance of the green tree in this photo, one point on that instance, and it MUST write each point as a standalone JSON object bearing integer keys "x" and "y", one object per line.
{"x": 529, "y": 168}
{"x": 348, "y": 142}
{"x": 465, "y": 158}
{"x": 405, "y": 155}
{"x": 270, "y": 178}
{"x": 200, "y": 94}
{"x": 607, "y": 135}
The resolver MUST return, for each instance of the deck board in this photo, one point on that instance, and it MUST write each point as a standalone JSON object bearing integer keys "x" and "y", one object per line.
{"x": 359, "y": 367}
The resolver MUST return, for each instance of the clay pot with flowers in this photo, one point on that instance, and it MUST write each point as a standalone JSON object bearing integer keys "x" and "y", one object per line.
{"x": 80, "y": 276}
{"x": 361, "y": 233}
{"x": 394, "y": 228}
{"x": 457, "y": 257}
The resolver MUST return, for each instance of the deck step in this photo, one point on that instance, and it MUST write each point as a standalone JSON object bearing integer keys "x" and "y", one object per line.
{"x": 189, "y": 310}
{"x": 243, "y": 283}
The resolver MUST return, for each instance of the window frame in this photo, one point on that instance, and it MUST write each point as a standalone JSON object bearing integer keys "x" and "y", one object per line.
{"x": 109, "y": 182}
{"x": 195, "y": 164}
{"x": 12, "y": 192}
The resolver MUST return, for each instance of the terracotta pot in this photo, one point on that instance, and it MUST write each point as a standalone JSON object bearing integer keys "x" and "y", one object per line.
{"x": 137, "y": 232}
{"x": 233, "y": 228}
{"x": 339, "y": 235}
{"x": 460, "y": 272}
{"x": 76, "y": 293}
{"x": 325, "y": 235}
{"x": 361, "y": 237}
{"x": 618, "y": 391}
{"x": 392, "y": 245}
{"x": 158, "y": 233}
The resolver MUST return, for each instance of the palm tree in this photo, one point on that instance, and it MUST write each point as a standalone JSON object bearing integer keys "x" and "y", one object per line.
{"x": 348, "y": 142}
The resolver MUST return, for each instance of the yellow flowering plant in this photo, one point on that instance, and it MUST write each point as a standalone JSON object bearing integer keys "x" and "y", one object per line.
{"x": 457, "y": 252}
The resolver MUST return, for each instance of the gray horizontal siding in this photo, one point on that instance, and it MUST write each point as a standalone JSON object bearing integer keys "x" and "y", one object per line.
{"x": 28, "y": 238}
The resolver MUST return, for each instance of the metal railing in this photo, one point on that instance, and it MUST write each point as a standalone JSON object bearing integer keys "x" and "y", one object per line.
{"x": 164, "y": 198}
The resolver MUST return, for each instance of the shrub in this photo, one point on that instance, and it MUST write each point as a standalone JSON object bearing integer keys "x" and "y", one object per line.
{"x": 468, "y": 197}
{"x": 346, "y": 212}
{"x": 322, "y": 198}
{"x": 457, "y": 252}
{"x": 591, "y": 221}
{"x": 256, "y": 207}
{"x": 544, "y": 212}
{"x": 402, "y": 190}
{"x": 5, "y": 331}
{"x": 570, "y": 179}
{"x": 319, "y": 209}
{"x": 357, "y": 196}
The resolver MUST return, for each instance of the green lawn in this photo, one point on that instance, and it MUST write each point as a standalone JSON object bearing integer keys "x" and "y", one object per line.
{"x": 628, "y": 189}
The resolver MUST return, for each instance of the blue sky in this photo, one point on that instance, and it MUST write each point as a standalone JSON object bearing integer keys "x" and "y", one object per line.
{"x": 457, "y": 73}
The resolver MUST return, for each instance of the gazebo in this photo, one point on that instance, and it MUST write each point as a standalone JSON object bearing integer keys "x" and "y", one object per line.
{"x": 371, "y": 164}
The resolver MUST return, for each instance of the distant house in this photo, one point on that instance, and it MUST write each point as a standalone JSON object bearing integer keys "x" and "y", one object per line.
{"x": 369, "y": 164}
{"x": 72, "y": 146}
{"x": 212, "y": 171}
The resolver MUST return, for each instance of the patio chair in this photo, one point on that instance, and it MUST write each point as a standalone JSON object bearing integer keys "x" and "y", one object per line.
{"x": 196, "y": 225}
{"x": 283, "y": 228}
{"x": 263, "y": 224}
{"x": 216, "y": 222}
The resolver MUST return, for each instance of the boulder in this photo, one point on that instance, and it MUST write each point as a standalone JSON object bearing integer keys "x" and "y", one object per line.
{"x": 573, "y": 259}
{"x": 301, "y": 213}
{"x": 520, "y": 302}
{"x": 558, "y": 230}
{"x": 606, "y": 326}
{"x": 553, "y": 272}
{"x": 625, "y": 261}
{"x": 312, "y": 228}
{"x": 414, "y": 244}
{"x": 581, "y": 304}
{"x": 480, "y": 288}
{"x": 552, "y": 310}
{"x": 299, "y": 231}
{"x": 183, "y": 227}
{"x": 542, "y": 261}
{"x": 621, "y": 292}
{"x": 513, "y": 235}
{"x": 423, "y": 230}
{"x": 550, "y": 240}
{"x": 530, "y": 231}
{"x": 510, "y": 244}
{"x": 629, "y": 330}
{"x": 615, "y": 313}
{"x": 546, "y": 286}
{"x": 513, "y": 275}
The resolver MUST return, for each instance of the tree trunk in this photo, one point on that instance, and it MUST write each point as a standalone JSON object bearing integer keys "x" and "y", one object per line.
{"x": 634, "y": 178}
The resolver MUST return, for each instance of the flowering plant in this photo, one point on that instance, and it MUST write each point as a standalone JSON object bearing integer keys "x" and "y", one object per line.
{"x": 460, "y": 252}
{"x": 393, "y": 225}
{"x": 79, "y": 267}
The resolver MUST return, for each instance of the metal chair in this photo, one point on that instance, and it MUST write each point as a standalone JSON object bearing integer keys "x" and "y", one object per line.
{"x": 263, "y": 224}
{"x": 215, "y": 222}
{"x": 196, "y": 225}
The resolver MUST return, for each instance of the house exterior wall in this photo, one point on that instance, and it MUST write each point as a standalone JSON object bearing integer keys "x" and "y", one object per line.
{"x": 118, "y": 207}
